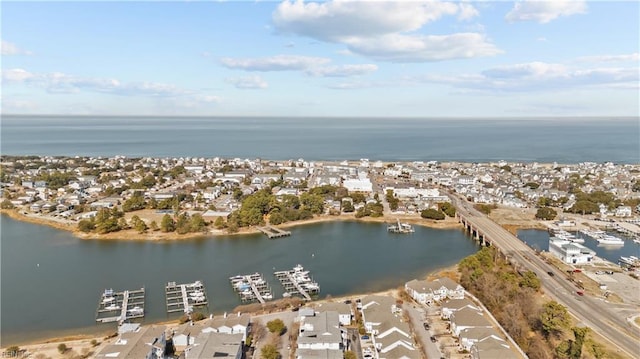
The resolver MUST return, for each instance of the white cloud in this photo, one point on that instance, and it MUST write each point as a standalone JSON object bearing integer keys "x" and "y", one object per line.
{"x": 274, "y": 63}
{"x": 405, "y": 48}
{"x": 313, "y": 66}
{"x": 7, "y": 49}
{"x": 545, "y": 11}
{"x": 539, "y": 76}
{"x": 342, "y": 70}
{"x": 57, "y": 82}
{"x": 384, "y": 30}
{"x": 248, "y": 82}
{"x": 635, "y": 57}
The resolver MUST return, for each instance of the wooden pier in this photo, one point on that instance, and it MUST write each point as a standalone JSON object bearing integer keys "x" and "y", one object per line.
{"x": 120, "y": 306}
{"x": 251, "y": 287}
{"x": 273, "y": 232}
{"x": 184, "y": 297}
{"x": 297, "y": 281}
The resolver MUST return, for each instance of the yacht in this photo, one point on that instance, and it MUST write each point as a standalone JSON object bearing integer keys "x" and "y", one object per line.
{"x": 136, "y": 311}
{"x": 112, "y": 307}
{"x": 267, "y": 296}
{"x": 610, "y": 240}
{"x": 631, "y": 260}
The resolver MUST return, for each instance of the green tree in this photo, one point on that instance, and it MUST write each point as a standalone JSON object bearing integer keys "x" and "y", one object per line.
{"x": 6, "y": 204}
{"x": 347, "y": 207}
{"x": 546, "y": 213}
{"x": 153, "y": 225}
{"x": 219, "y": 223}
{"x": 448, "y": 208}
{"x": 554, "y": 318}
{"x": 269, "y": 351}
{"x": 86, "y": 225}
{"x": 167, "y": 224}
{"x": 62, "y": 348}
{"x": 136, "y": 202}
{"x": 392, "y": 200}
{"x": 13, "y": 350}
{"x": 530, "y": 280}
{"x": 485, "y": 208}
{"x": 348, "y": 354}
{"x": 431, "y": 213}
{"x": 183, "y": 223}
{"x": 312, "y": 202}
{"x": 276, "y": 326}
{"x": 197, "y": 223}
{"x": 140, "y": 226}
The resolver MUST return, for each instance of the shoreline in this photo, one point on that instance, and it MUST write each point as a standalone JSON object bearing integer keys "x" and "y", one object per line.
{"x": 450, "y": 271}
{"x": 132, "y": 235}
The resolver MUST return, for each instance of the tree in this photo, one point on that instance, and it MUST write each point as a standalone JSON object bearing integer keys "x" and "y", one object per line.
{"x": 6, "y": 204}
{"x": 448, "y": 209}
{"x": 140, "y": 226}
{"x": 313, "y": 202}
{"x": 347, "y": 207}
{"x": 136, "y": 202}
{"x": 276, "y": 326}
{"x": 86, "y": 225}
{"x": 546, "y": 213}
{"x": 269, "y": 351}
{"x": 219, "y": 223}
{"x": 554, "y": 318}
{"x": 348, "y": 354}
{"x": 13, "y": 350}
{"x": 62, "y": 348}
{"x": 431, "y": 213}
{"x": 392, "y": 200}
{"x": 167, "y": 224}
{"x": 154, "y": 226}
{"x": 530, "y": 280}
{"x": 197, "y": 223}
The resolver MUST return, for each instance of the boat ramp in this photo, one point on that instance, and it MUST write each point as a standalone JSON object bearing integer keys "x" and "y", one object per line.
{"x": 251, "y": 287}
{"x": 184, "y": 297}
{"x": 120, "y": 306}
{"x": 298, "y": 282}
{"x": 273, "y": 232}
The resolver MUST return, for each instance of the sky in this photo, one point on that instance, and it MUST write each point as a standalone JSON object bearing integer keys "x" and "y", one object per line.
{"x": 332, "y": 58}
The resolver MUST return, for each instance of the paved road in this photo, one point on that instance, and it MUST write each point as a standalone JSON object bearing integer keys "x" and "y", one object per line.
{"x": 417, "y": 318}
{"x": 607, "y": 319}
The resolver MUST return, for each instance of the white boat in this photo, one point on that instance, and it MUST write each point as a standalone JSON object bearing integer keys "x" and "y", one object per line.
{"x": 136, "y": 311}
{"x": 267, "y": 296}
{"x": 631, "y": 260}
{"x": 400, "y": 228}
{"x": 112, "y": 307}
{"x": 610, "y": 240}
{"x": 106, "y": 300}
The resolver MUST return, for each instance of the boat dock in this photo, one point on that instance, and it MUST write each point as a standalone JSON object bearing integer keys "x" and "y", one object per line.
{"x": 400, "y": 228}
{"x": 184, "y": 297}
{"x": 120, "y": 306}
{"x": 251, "y": 287}
{"x": 298, "y": 282}
{"x": 273, "y": 232}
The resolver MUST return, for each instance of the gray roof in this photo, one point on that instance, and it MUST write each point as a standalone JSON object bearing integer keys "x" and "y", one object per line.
{"x": 211, "y": 345}
{"x": 319, "y": 354}
{"x": 490, "y": 348}
{"x": 326, "y": 329}
{"x": 134, "y": 345}
{"x": 339, "y": 307}
{"x": 456, "y": 304}
{"x": 469, "y": 318}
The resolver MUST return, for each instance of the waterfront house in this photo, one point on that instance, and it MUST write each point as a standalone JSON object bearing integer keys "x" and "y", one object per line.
{"x": 345, "y": 314}
{"x": 321, "y": 331}
{"x": 623, "y": 211}
{"x": 145, "y": 342}
{"x": 492, "y": 347}
{"x": 426, "y": 292}
{"x": 229, "y": 324}
{"x": 215, "y": 345}
{"x": 468, "y": 337}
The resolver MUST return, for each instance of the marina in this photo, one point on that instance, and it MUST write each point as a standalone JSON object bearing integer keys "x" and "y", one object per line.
{"x": 567, "y": 236}
{"x": 400, "y": 227}
{"x": 120, "y": 306}
{"x": 184, "y": 297}
{"x": 251, "y": 287}
{"x": 297, "y": 282}
{"x": 273, "y": 232}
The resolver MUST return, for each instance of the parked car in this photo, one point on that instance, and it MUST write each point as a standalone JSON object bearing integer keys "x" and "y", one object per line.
{"x": 550, "y": 273}
{"x": 365, "y": 337}
{"x": 426, "y": 326}
{"x": 580, "y": 292}
{"x": 433, "y": 339}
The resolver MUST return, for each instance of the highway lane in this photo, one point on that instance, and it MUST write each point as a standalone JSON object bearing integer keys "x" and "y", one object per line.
{"x": 594, "y": 313}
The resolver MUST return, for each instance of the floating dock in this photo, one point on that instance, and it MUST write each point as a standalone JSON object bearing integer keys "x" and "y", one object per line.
{"x": 184, "y": 297}
{"x": 400, "y": 228}
{"x": 251, "y": 287}
{"x": 298, "y": 282}
{"x": 120, "y": 306}
{"x": 273, "y": 232}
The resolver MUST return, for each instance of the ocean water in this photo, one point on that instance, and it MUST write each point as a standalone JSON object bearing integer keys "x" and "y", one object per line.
{"x": 469, "y": 140}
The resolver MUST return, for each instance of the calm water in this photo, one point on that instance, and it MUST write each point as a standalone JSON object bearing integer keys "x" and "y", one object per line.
{"x": 63, "y": 291}
{"x": 539, "y": 239}
{"x": 468, "y": 140}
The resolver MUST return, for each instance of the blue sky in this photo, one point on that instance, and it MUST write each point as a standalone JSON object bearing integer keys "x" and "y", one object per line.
{"x": 332, "y": 58}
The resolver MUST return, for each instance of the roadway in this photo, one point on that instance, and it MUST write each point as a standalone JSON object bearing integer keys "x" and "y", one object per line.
{"x": 606, "y": 319}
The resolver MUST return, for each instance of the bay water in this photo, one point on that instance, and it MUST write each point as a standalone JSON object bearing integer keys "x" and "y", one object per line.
{"x": 52, "y": 281}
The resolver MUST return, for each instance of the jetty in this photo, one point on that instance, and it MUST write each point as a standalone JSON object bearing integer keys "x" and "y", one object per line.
{"x": 120, "y": 306}
{"x": 184, "y": 297}
{"x": 298, "y": 282}
{"x": 273, "y": 232}
{"x": 400, "y": 227}
{"x": 251, "y": 287}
